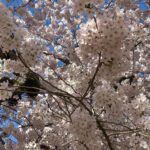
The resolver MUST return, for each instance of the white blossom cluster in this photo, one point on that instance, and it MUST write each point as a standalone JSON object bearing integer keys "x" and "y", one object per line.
{"x": 85, "y": 6}
{"x": 5, "y": 91}
{"x": 84, "y": 128}
{"x": 11, "y": 65}
{"x": 105, "y": 95}
{"x": 106, "y": 36}
{"x": 30, "y": 50}
{"x": 10, "y": 37}
{"x": 108, "y": 102}
{"x": 70, "y": 82}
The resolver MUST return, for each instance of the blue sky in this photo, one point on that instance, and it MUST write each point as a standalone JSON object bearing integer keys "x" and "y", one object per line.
{"x": 16, "y": 3}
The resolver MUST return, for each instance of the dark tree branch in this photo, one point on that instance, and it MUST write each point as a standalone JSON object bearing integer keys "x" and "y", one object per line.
{"x": 104, "y": 133}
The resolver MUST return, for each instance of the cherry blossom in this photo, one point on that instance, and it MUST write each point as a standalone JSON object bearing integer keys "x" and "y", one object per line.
{"x": 74, "y": 75}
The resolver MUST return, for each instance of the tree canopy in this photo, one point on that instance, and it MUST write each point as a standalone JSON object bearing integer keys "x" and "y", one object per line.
{"x": 75, "y": 75}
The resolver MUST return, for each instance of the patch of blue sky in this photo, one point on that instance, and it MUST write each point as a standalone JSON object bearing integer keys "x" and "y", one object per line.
{"x": 143, "y": 6}
{"x": 4, "y": 2}
{"x": 15, "y": 113}
{"x": 15, "y": 124}
{"x": 141, "y": 74}
{"x": 12, "y": 138}
{"x": 85, "y": 17}
{"x": 12, "y": 3}
{"x": 51, "y": 48}
{"x": 22, "y": 122}
{"x": 47, "y": 21}
{"x": 56, "y": 1}
{"x": 15, "y": 3}
{"x": 9, "y": 121}
{"x": 4, "y": 123}
{"x": 31, "y": 10}
{"x": 60, "y": 64}
{"x": 2, "y": 111}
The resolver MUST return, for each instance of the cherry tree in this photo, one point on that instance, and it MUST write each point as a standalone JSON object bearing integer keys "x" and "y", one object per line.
{"x": 74, "y": 75}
